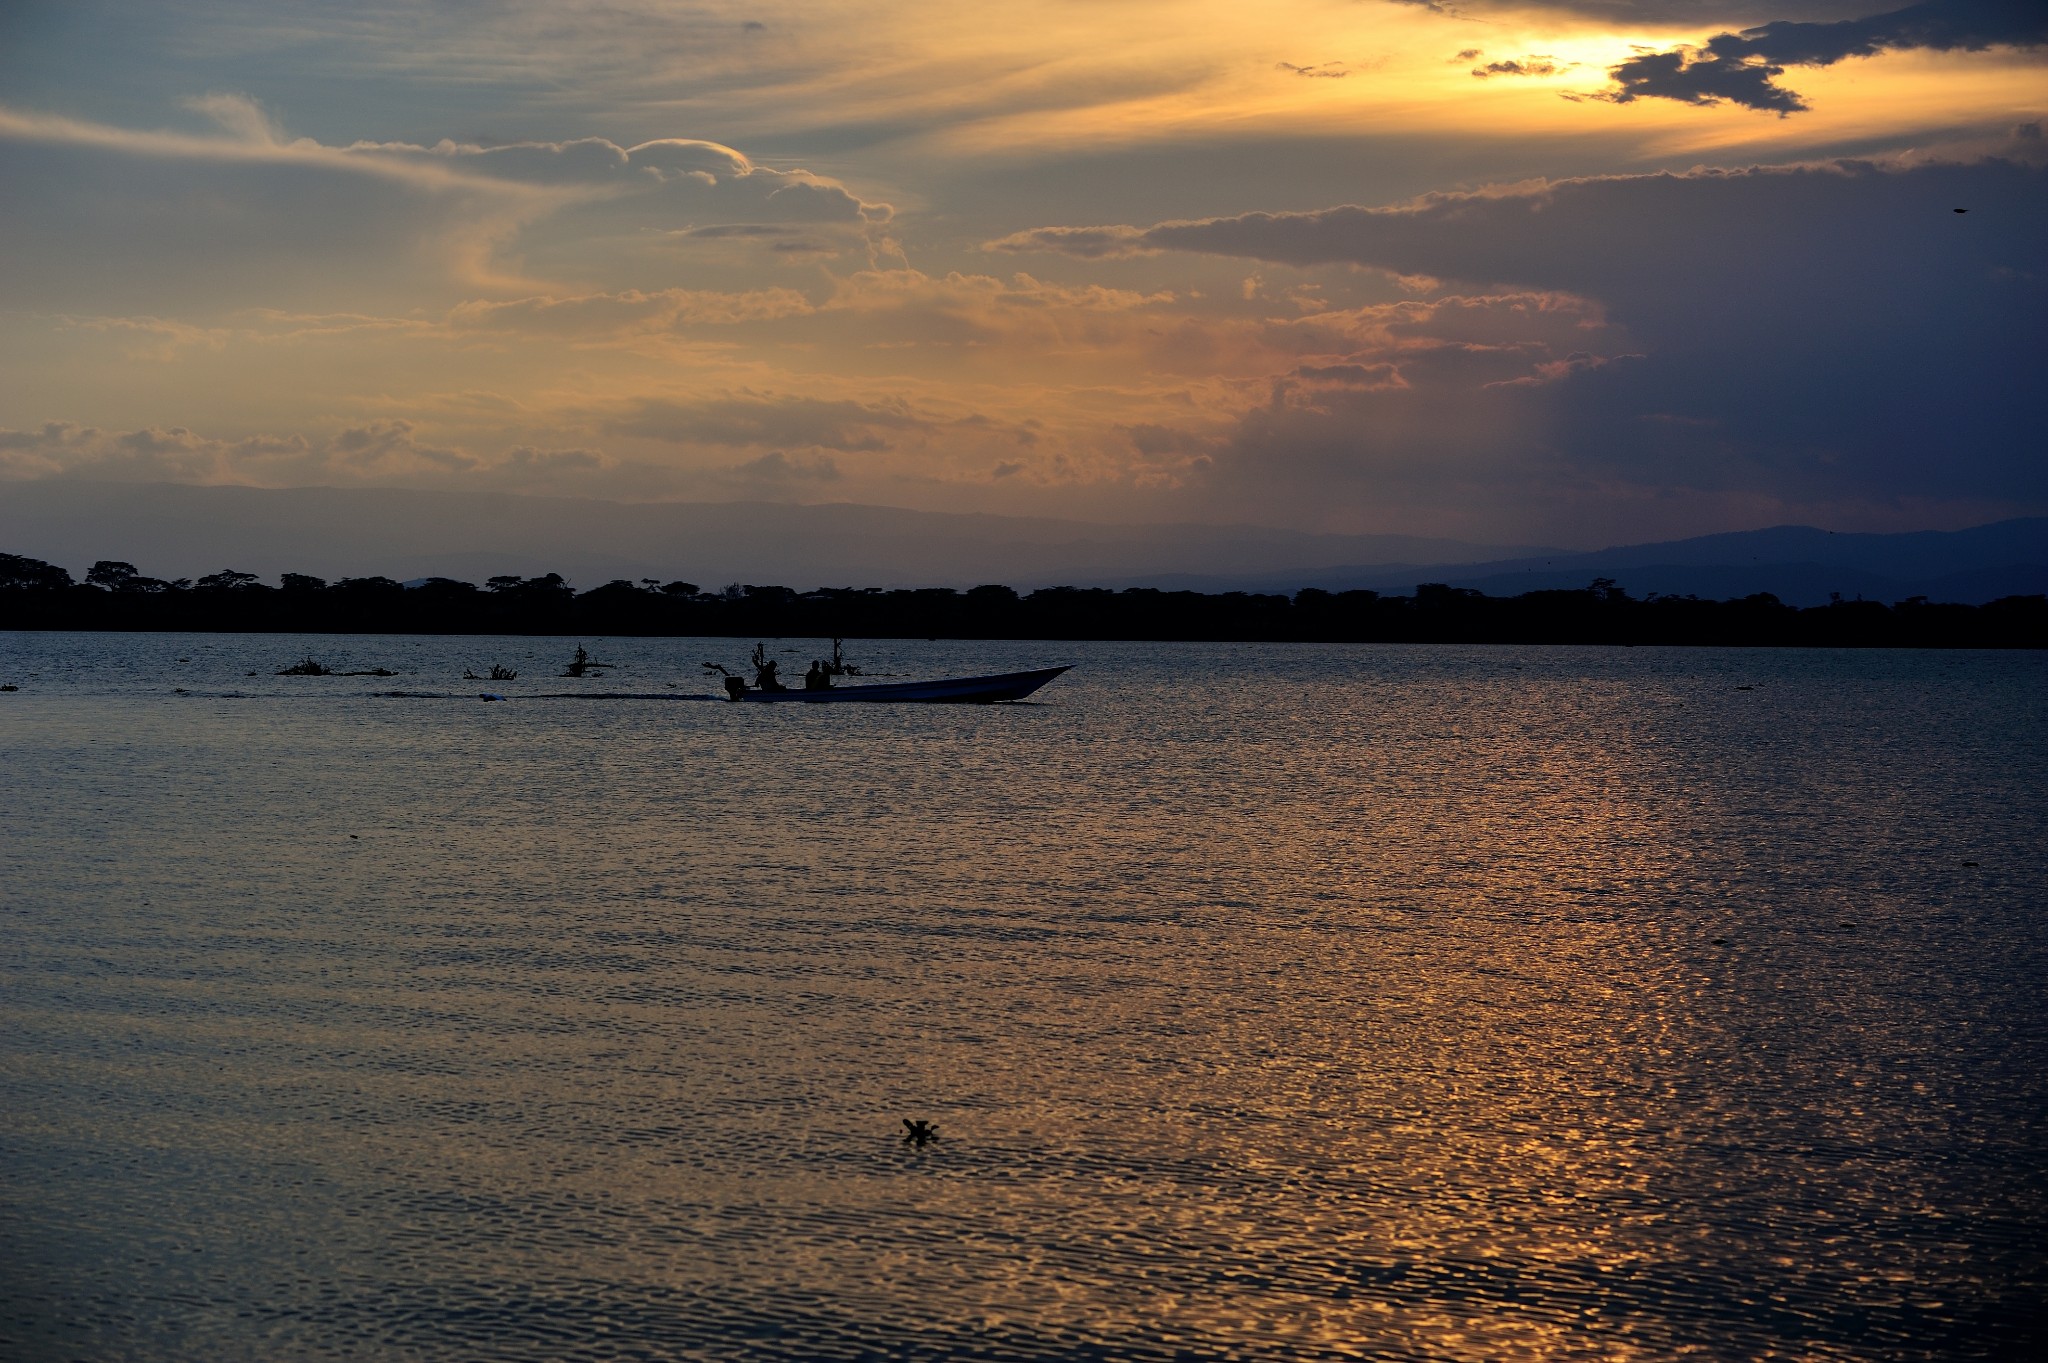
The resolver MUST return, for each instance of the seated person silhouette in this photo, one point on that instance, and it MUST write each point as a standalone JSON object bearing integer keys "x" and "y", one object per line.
{"x": 817, "y": 679}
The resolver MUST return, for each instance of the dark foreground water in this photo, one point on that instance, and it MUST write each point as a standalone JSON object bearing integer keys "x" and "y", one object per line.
{"x": 1274, "y": 1002}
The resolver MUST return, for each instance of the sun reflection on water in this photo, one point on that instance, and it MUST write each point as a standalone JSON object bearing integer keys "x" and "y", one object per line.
{"x": 1309, "y": 1003}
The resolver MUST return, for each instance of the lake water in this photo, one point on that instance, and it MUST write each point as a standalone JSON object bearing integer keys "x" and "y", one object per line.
{"x": 1270, "y": 1001}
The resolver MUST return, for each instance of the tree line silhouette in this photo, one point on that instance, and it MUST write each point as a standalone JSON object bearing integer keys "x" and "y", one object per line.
{"x": 115, "y": 596}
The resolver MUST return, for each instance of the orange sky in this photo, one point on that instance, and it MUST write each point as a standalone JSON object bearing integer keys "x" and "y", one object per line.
{"x": 715, "y": 251}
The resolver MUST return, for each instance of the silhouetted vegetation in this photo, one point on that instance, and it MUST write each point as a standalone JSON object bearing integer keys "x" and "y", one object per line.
{"x": 313, "y": 667}
{"x": 115, "y": 596}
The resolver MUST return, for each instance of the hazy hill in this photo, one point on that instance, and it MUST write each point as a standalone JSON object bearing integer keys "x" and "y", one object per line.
{"x": 1797, "y": 563}
{"x": 176, "y": 530}
{"x": 170, "y": 530}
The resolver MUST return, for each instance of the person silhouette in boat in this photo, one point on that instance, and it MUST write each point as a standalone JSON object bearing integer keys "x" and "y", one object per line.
{"x": 764, "y": 671}
{"x": 818, "y": 678}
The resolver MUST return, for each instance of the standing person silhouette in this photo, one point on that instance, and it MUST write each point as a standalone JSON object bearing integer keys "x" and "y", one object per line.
{"x": 764, "y": 670}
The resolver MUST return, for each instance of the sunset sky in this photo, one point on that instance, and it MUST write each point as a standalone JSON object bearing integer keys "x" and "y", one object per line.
{"x": 1575, "y": 273}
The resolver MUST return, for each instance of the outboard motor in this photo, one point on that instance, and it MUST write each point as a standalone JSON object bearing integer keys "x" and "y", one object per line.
{"x": 735, "y": 687}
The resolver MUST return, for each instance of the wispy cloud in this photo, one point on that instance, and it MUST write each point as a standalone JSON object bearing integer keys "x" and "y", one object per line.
{"x": 199, "y": 211}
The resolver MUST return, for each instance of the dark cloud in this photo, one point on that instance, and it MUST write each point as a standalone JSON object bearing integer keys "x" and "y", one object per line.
{"x": 1527, "y": 66}
{"x": 779, "y": 238}
{"x": 1826, "y": 334}
{"x": 388, "y": 448}
{"x": 777, "y": 467}
{"x": 1742, "y": 68}
{"x": 1351, "y": 375}
{"x": 1690, "y": 77}
{"x": 528, "y": 459}
{"x": 1089, "y": 243}
{"x": 1151, "y": 439}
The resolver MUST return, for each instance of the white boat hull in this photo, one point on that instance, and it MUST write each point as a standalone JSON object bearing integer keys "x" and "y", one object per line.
{"x": 948, "y": 691}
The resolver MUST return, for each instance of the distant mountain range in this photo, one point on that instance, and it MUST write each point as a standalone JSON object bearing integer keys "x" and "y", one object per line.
{"x": 1796, "y": 563}
{"x": 177, "y": 530}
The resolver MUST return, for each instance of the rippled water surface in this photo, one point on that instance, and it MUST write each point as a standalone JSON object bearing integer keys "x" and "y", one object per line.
{"x": 1271, "y": 1002}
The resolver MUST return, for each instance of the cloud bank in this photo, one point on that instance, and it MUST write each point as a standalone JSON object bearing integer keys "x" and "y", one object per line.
{"x": 1808, "y": 334}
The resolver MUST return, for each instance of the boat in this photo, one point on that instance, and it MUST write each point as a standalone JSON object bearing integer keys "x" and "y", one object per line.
{"x": 949, "y": 690}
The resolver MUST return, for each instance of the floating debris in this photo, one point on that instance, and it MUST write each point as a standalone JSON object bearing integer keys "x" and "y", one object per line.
{"x": 313, "y": 667}
{"x": 919, "y": 1134}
